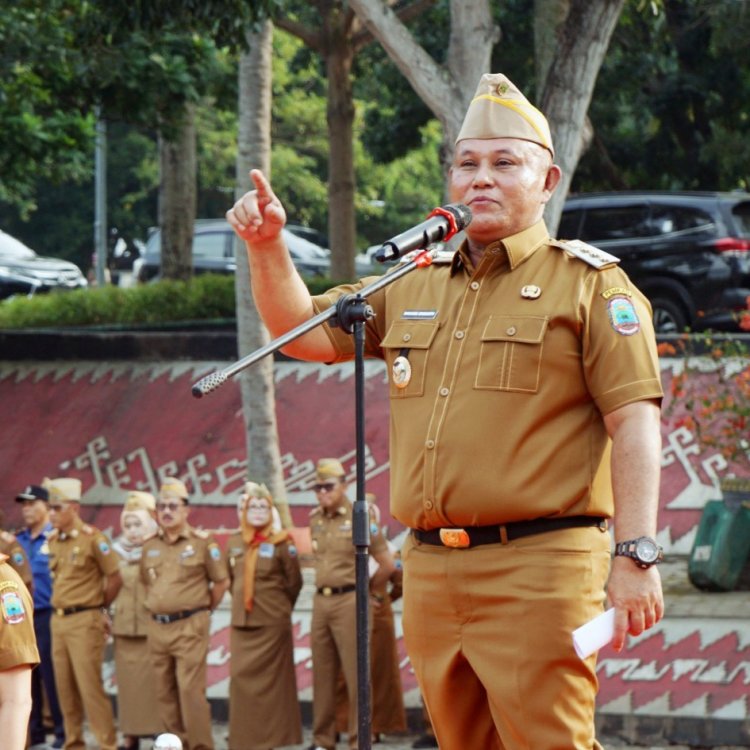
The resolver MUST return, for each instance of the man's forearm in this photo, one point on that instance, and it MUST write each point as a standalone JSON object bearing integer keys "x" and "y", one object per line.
{"x": 283, "y": 300}
{"x": 636, "y": 465}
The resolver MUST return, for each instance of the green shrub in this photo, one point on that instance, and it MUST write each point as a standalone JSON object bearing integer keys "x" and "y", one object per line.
{"x": 205, "y": 297}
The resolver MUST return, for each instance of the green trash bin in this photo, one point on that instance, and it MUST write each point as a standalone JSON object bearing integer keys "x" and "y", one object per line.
{"x": 722, "y": 543}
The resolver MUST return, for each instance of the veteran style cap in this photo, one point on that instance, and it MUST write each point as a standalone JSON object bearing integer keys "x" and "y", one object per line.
{"x": 500, "y": 110}
{"x": 328, "y": 468}
{"x": 173, "y": 487}
{"x": 32, "y": 492}
{"x": 63, "y": 489}
{"x": 136, "y": 500}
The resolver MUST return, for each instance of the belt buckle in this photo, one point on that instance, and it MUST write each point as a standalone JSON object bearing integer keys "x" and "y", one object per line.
{"x": 326, "y": 591}
{"x": 455, "y": 538}
{"x": 60, "y": 612}
{"x": 162, "y": 619}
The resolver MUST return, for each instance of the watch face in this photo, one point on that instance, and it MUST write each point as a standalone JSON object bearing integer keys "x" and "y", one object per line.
{"x": 646, "y": 550}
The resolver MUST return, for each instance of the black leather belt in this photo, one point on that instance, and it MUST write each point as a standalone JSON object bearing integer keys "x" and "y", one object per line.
{"x": 473, "y": 536}
{"x": 174, "y": 616}
{"x": 332, "y": 590}
{"x": 63, "y": 611}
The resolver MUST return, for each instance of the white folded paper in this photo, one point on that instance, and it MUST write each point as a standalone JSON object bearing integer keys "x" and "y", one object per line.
{"x": 594, "y": 634}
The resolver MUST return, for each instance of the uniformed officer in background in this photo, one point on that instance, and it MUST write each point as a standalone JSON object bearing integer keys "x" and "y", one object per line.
{"x": 266, "y": 580}
{"x": 137, "y": 712}
{"x": 33, "y": 538}
{"x": 186, "y": 577}
{"x": 333, "y": 633}
{"x": 18, "y": 655}
{"x": 15, "y": 553}
{"x": 85, "y": 580}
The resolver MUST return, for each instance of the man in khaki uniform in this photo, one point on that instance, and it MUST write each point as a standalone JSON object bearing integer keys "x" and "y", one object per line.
{"x": 85, "y": 580}
{"x": 333, "y": 633}
{"x": 15, "y": 554}
{"x": 186, "y": 576}
{"x": 525, "y": 393}
{"x": 18, "y": 655}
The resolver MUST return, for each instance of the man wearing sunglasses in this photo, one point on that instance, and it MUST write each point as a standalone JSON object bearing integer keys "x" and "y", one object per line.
{"x": 333, "y": 634}
{"x": 85, "y": 581}
{"x": 186, "y": 576}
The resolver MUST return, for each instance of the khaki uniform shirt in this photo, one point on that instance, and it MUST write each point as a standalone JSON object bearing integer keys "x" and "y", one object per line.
{"x": 333, "y": 550}
{"x": 79, "y": 561}
{"x": 17, "y": 639}
{"x": 513, "y": 365}
{"x": 11, "y": 547}
{"x": 178, "y": 574}
{"x": 130, "y": 616}
{"x": 278, "y": 581}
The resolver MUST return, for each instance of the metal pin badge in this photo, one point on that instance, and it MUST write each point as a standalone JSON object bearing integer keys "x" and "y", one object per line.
{"x": 401, "y": 372}
{"x": 531, "y": 291}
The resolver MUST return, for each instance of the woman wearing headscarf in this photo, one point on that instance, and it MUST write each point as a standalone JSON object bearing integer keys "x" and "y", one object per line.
{"x": 266, "y": 580}
{"x": 136, "y": 698}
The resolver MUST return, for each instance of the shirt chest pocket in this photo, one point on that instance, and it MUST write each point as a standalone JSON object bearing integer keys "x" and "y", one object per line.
{"x": 510, "y": 353}
{"x": 407, "y": 347}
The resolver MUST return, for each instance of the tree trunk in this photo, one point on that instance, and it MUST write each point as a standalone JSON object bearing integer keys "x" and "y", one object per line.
{"x": 256, "y": 382}
{"x": 446, "y": 91}
{"x": 177, "y": 199}
{"x": 582, "y": 42}
{"x": 342, "y": 228}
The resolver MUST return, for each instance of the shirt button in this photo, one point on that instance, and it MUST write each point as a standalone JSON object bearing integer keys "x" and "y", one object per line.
{"x": 430, "y": 444}
{"x": 407, "y": 337}
{"x": 428, "y": 504}
{"x": 445, "y": 391}
{"x": 459, "y": 334}
{"x": 511, "y": 331}
{"x": 474, "y": 285}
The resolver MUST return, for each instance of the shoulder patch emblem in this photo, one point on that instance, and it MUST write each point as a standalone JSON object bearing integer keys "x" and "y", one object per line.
{"x": 292, "y": 550}
{"x": 12, "y": 607}
{"x": 595, "y": 257}
{"x": 17, "y": 558}
{"x": 622, "y": 315}
{"x": 104, "y": 547}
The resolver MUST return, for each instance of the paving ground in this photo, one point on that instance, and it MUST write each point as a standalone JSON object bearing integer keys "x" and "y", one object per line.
{"x": 405, "y": 742}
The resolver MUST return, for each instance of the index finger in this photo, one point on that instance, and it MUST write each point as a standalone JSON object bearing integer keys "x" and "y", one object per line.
{"x": 262, "y": 185}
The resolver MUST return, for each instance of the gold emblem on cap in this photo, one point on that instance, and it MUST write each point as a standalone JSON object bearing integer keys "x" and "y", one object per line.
{"x": 401, "y": 372}
{"x": 501, "y": 88}
{"x": 531, "y": 291}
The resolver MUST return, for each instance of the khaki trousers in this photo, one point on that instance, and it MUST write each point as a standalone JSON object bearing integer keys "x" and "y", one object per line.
{"x": 178, "y": 653}
{"x": 333, "y": 641}
{"x": 488, "y": 631}
{"x": 78, "y": 642}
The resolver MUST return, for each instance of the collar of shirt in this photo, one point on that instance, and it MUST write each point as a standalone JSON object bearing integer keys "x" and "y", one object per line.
{"x": 186, "y": 533}
{"x": 40, "y": 538}
{"x": 74, "y": 531}
{"x": 518, "y": 247}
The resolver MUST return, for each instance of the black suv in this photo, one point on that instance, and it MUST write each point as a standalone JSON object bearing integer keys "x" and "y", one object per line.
{"x": 688, "y": 252}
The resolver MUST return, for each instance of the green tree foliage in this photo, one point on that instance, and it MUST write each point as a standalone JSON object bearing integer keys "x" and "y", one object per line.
{"x": 673, "y": 92}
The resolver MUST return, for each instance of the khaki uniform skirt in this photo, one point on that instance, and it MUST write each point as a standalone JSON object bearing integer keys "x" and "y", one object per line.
{"x": 264, "y": 707}
{"x": 137, "y": 713}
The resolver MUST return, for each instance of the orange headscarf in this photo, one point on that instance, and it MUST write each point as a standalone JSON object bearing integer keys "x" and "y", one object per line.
{"x": 253, "y": 538}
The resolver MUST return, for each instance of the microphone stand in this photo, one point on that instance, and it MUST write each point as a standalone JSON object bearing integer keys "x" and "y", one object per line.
{"x": 350, "y": 313}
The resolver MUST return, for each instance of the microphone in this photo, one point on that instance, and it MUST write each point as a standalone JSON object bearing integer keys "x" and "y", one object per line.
{"x": 441, "y": 224}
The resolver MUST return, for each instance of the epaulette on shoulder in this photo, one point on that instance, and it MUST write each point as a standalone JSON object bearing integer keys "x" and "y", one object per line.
{"x": 53, "y": 534}
{"x": 315, "y": 511}
{"x": 201, "y": 534}
{"x": 150, "y": 536}
{"x": 7, "y": 537}
{"x": 86, "y": 529}
{"x": 595, "y": 257}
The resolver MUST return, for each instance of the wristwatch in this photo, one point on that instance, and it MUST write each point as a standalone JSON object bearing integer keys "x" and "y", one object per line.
{"x": 644, "y": 551}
